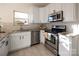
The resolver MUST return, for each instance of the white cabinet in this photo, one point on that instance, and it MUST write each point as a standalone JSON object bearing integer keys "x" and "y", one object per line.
{"x": 19, "y": 40}
{"x": 54, "y": 6}
{"x": 14, "y": 42}
{"x": 69, "y": 10}
{"x": 78, "y": 47}
{"x": 77, "y": 11}
{"x": 43, "y": 14}
{"x": 64, "y": 45}
{"x": 42, "y": 37}
{"x": 68, "y": 45}
{"x": 36, "y": 15}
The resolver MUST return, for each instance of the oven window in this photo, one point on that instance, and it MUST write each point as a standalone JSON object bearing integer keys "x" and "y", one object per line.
{"x": 53, "y": 39}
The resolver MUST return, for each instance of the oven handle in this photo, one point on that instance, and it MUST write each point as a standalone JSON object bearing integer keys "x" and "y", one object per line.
{"x": 54, "y": 36}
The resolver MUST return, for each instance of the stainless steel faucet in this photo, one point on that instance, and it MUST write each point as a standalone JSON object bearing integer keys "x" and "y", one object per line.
{"x": 21, "y": 27}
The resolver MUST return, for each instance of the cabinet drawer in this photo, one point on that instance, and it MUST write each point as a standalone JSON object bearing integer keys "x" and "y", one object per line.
{"x": 63, "y": 51}
{"x": 51, "y": 44}
{"x": 51, "y": 49}
{"x": 64, "y": 39}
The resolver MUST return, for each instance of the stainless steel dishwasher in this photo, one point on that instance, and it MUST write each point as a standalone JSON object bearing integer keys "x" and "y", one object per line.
{"x": 35, "y": 37}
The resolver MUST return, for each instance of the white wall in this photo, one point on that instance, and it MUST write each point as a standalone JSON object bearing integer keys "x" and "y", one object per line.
{"x": 69, "y": 27}
{"x": 6, "y": 14}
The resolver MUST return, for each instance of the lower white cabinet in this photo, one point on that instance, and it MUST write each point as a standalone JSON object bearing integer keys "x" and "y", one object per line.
{"x": 68, "y": 45}
{"x": 19, "y": 40}
{"x": 42, "y": 37}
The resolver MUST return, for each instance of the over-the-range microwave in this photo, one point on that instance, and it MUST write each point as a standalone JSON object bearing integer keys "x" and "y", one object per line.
{"x": 57, "y": 16}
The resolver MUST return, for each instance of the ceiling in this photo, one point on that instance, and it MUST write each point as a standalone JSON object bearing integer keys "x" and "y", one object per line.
{"x": 40, "y": 4}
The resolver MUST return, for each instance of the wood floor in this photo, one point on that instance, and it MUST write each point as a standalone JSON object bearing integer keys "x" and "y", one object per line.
{"x": 36, "y": 50}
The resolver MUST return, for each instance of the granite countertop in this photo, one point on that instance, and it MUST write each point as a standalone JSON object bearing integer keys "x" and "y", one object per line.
{"x": 15, "y": 31}
{"x": 3, "y": 35}
{"x": 69, "y": 34}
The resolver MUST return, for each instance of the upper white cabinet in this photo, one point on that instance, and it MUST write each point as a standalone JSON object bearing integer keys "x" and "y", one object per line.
{"x": 77, "y": 11}
{"x": 43, "y": 14}
{"x": 35, "y": 12}
{"x": 54, "y": 6}
{"x": 69, "y": 10}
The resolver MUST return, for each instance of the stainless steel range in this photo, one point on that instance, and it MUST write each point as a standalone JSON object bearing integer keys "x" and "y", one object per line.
{"x": 52, "y": 42}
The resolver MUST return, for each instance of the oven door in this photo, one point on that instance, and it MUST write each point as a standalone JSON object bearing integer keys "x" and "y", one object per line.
{"x": 53, "y": 38}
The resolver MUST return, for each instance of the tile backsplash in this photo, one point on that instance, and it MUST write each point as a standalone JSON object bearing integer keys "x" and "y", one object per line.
{"x": 69, "y": 26}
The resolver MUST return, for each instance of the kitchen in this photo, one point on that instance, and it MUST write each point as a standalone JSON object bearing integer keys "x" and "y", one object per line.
{"x": 28, "y": 26}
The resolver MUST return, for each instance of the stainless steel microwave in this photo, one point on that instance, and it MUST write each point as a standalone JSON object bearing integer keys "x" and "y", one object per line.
{"x": 57, "y": 16}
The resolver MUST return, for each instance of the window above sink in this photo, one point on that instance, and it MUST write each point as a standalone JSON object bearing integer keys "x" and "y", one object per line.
{"x": 21, "y": 18}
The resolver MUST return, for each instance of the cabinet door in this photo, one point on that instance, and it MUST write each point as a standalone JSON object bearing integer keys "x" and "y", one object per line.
{"x": 14, "y": 42}
{"x": 42, "y": 37}
{"x": 58, "y": 6}
{"x": 19, "y": 40}
{"x": 64, "y": 46}
{"x": 51, "y": 7}
{"x": 62, "y": 50}
{"x": 26, "y": 39}
{"x": 36, "y": 15}
{"x": 69, "y": 12}
{"x": 78, "y": 47}
{"x": 54, "y": 6}
{"x": 46, "y": 14}
{"x": 43, "y": 15}
{"x": 75, "y": 45}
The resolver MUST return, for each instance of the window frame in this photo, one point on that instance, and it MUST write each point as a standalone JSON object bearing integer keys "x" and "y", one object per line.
{"x": 14, "y": 21}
